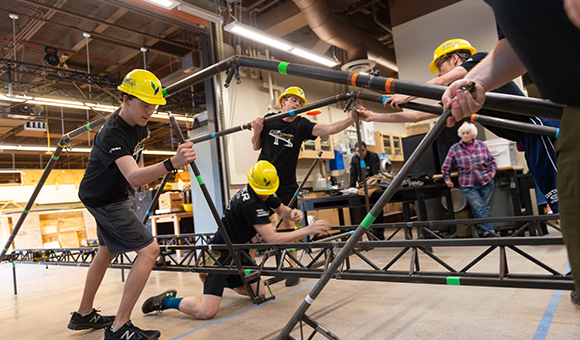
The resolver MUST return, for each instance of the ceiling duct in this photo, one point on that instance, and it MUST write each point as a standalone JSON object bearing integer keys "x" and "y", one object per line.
{"x": 355, "y": 42}
{"x": 27, "y": 109}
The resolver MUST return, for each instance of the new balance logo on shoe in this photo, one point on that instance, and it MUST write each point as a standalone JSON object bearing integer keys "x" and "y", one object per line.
{"x": 95, "y": 318}
{"x": 127, "y": 335}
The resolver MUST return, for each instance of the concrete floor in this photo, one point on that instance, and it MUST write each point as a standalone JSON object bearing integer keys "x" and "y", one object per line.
{"x": 350, "y": 309}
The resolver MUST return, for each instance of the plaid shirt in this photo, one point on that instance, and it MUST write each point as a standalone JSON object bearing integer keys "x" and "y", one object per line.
{"x": 476, "y": 165}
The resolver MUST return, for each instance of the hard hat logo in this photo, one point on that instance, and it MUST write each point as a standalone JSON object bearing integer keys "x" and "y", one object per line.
{"x": 143, "y": 85}
{"x": 129, "y": 81}
{"x": 155, "y": 89}
{"x": 263, "y": 178}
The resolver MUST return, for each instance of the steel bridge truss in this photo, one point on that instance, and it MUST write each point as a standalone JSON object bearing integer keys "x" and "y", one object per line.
{"x": 317, "y": 255}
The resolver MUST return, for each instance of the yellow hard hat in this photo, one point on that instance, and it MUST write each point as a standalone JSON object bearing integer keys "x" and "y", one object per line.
{"x": 293, "y": 90}
{"x": 448, "y": 47}
{"x": 263, "y": 178}
{"x": 143, "y": 85}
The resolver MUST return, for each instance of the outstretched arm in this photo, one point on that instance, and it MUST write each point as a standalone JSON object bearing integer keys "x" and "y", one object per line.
{"x": 331, "y": 129}
{"x": 270, "y": 235}
{"x": 397, "y": 117}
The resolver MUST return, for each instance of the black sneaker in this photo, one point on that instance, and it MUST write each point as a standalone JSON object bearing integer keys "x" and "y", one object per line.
{"x": 292, "y": 281}
{"x": 155, "y": 303}
{"x": 574, "y": 298}
{"x": 93, "y": 320}
{"x": 128, "y": 331}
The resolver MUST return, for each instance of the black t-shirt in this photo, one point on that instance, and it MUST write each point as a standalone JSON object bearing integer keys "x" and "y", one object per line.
{"x": 244, "y": 211}
{"x": 103, "y": 182}
{"x": 281, "y": 143}
{"x": 546, "y": 42}
{"x": 509, "y": 88}
{"x": 372, "y": 164}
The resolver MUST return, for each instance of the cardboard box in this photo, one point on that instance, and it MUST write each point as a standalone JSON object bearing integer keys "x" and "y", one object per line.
{"x": 171, "y": 200}
{"x": 417, "y": 129}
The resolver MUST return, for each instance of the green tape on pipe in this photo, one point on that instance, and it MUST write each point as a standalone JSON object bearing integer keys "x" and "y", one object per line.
{"x": 282, "y": 68}
{"x": 368, "y": 220}
{"x": 89, "y": 128}
{"x": 54, "y": 157}
{"x": 453, "y": 280}
{"x": 26, "y": 211}
{"x": 247, "y": 271}
{"x": 164, "y": 93}
{"x": 199, "y": 180}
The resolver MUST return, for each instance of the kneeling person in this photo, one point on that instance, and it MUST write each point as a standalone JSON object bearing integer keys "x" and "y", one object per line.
{"x": 246, "y": 215}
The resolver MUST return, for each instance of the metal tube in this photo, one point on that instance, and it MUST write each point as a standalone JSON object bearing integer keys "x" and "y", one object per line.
{"x": 215, "y": 214}
{"x": 30, "y": 203}
{"x": 277, "y": 116}
{"x": 515, "y": 125}
{"x": 53, "y": 159}
{"x": 294, "y": 198}
{"x": 485, "y": 120}
{"x": 368, "y": 220}
{"x": 496, "y": 101}
{"x": 14, "y": 278}
{"x": 198, "y": 77}
{"x": 155, "y": 198}
{"x": 362, "y": 165}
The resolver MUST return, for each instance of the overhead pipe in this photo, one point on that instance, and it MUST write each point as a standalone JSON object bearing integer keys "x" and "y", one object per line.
{"x": 330, "y": 29}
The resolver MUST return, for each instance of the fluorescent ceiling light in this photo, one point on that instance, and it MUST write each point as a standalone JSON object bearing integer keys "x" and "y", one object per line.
{"x": 314, "y": 57}
{"x": 201, "y": 13}
{"x": 79, "y": 150}
{"x": 272, "y": 41}
{"x": 75, "y": 105}
{"x": 167, "y": 4}
{"x": 258, "y": 36}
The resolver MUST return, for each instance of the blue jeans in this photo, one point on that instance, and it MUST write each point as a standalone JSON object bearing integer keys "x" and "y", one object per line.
{"x": 479, "y": 198}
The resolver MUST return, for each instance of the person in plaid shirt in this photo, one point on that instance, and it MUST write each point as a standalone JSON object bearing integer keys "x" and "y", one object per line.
{"x": 477, "y": 168}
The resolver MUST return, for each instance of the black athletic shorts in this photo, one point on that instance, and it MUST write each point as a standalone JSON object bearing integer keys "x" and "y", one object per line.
{"x": 214, "y": 284}
{"x": 119, "y": 228}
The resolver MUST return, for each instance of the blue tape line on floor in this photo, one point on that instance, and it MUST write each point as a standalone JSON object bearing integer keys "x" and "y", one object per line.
{"x": 254, "y": 307}
{"x": 222, "y": 319}
{"x": 546, "y": 321}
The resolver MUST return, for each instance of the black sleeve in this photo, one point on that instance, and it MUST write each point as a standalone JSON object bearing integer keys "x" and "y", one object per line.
{"x": 375, "y": 164}
{"x": 306, "y": 127}
{"x": 353, "y": 171}
{"x": 500, "y": 34}
{"x": 113, "y": 147}
{"x": 274, "y": 201}
{"x": 473, "y": 60}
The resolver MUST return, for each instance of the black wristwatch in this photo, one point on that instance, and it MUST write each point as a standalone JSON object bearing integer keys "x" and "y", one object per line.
{"x": 168, "y": 165}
